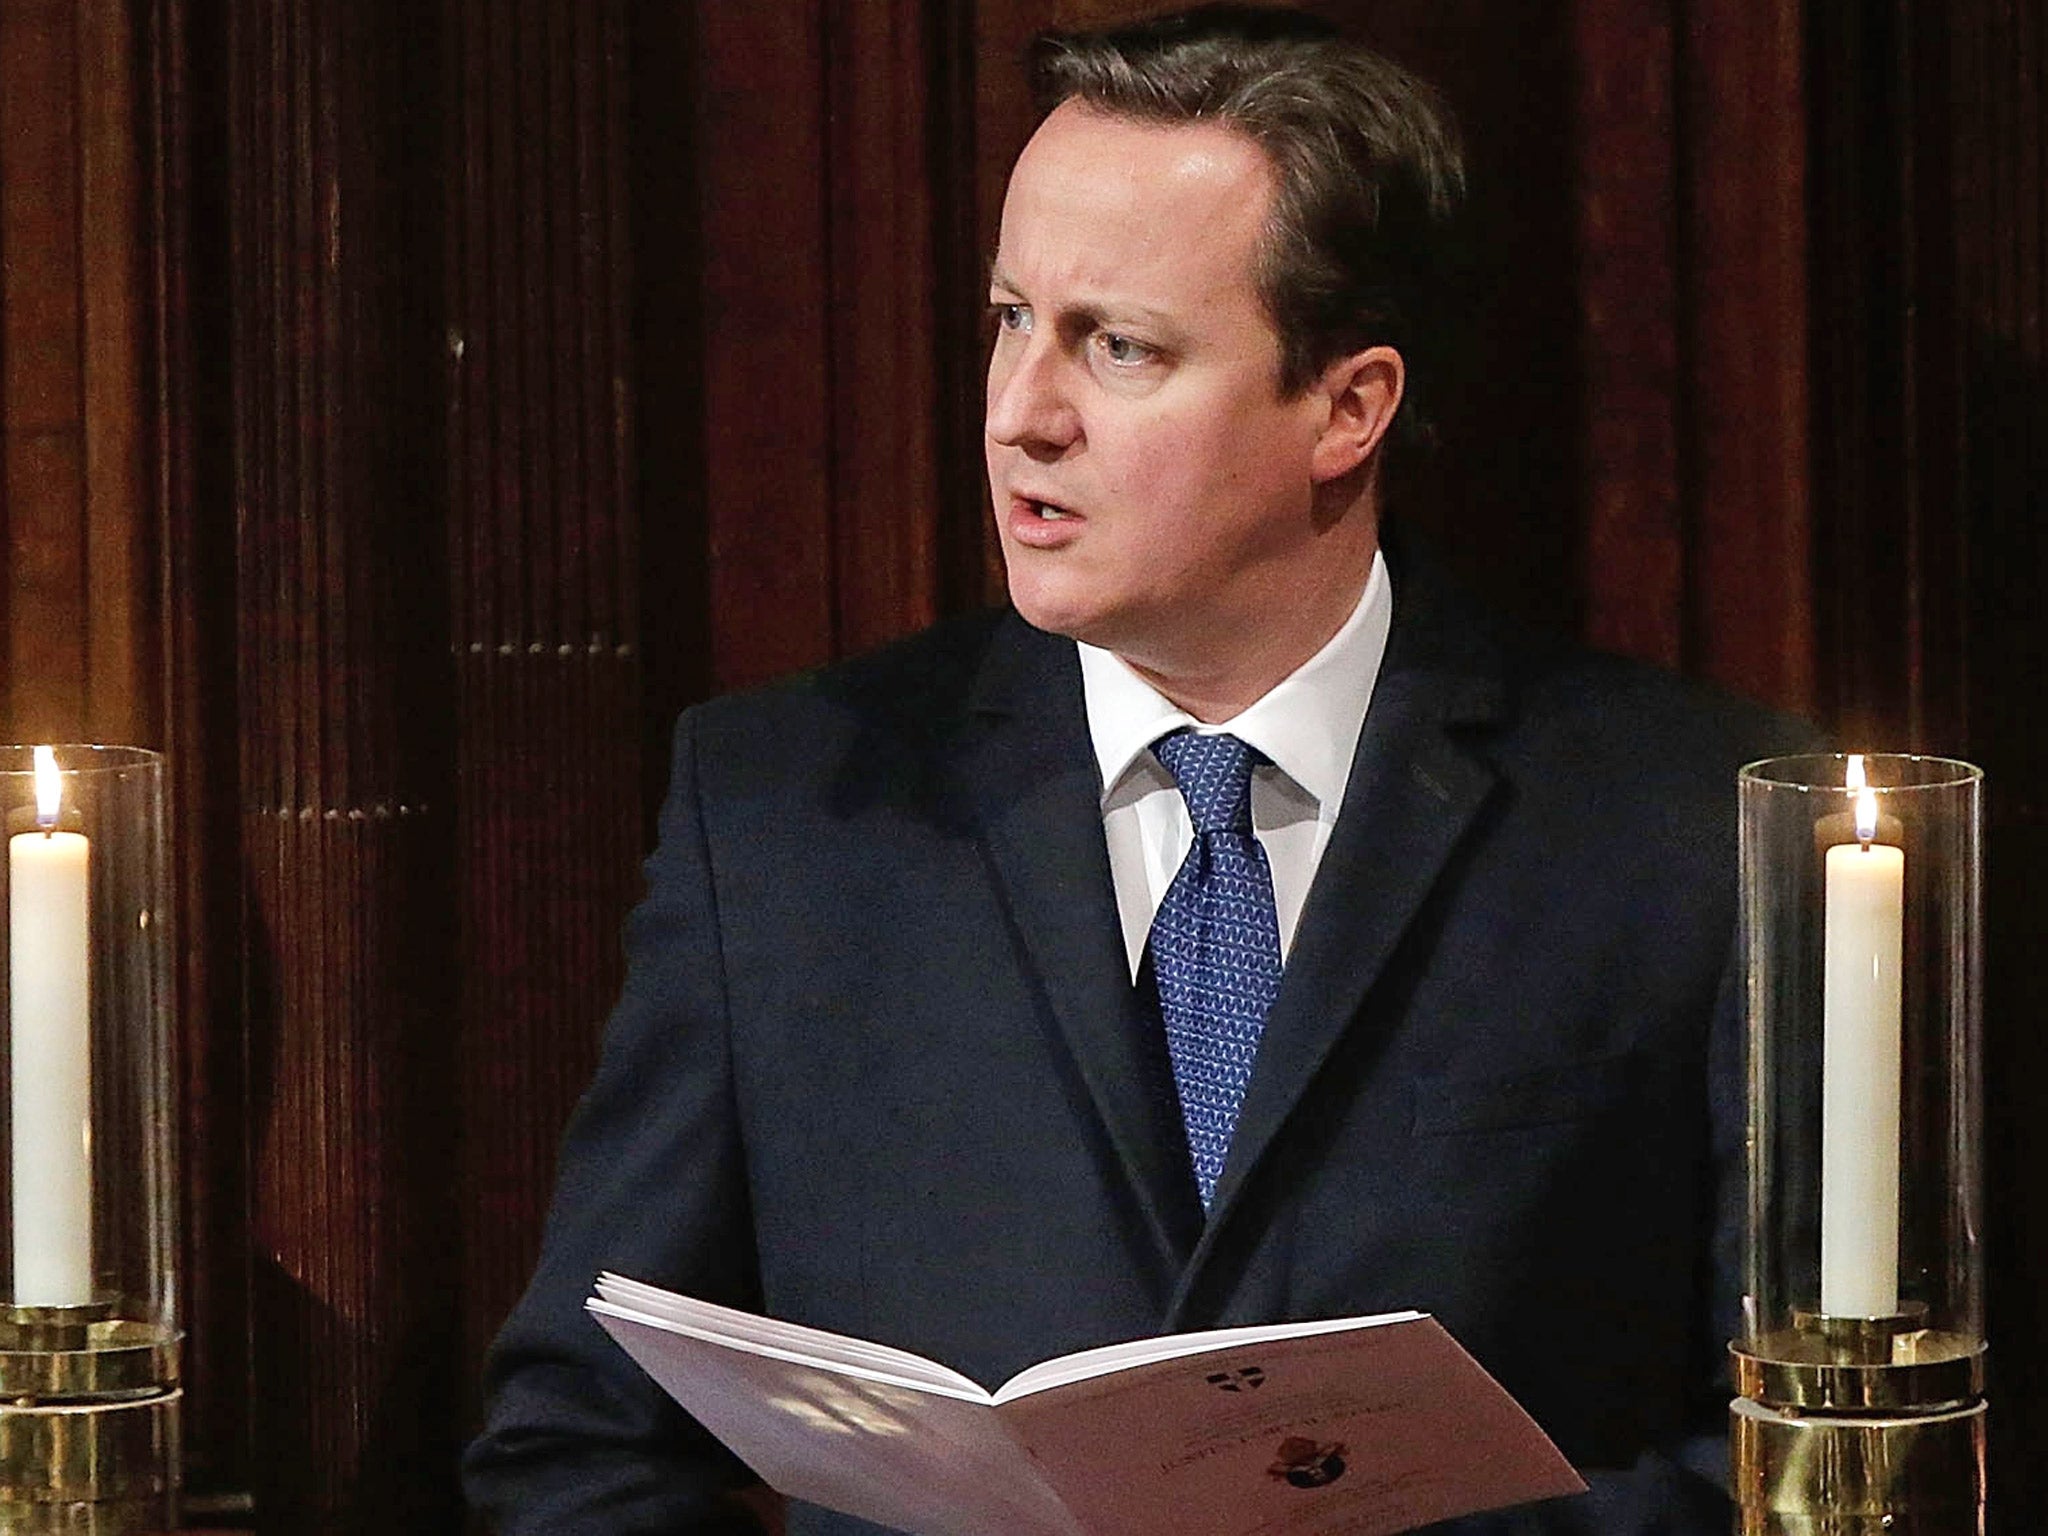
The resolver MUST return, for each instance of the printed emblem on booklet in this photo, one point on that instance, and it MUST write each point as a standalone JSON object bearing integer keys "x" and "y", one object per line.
{"x": 1244, "y": 1379}
{"x": 1304, "y": 1463}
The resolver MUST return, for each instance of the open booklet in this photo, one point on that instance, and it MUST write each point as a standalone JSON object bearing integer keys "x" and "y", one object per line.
{"x": 1362, "y": 1426}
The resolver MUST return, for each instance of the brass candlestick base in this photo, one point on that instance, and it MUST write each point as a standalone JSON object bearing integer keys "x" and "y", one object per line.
{"x": 89, "y": 1423}
{"x": 1810, "y": 1475}
{"x": 1859, "y": 1427}
{"x": 89, "y": 1469}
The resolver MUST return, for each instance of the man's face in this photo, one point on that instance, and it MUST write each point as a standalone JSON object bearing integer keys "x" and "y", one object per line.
{"x": 1153, "y": 491}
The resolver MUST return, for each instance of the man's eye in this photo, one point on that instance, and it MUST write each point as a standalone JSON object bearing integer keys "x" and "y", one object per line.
{"x": 1012, "y": 317}
{"x": 1123, "y": 351}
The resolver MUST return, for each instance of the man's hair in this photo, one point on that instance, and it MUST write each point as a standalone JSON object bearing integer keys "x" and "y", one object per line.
{"x": 1368, "y": 176}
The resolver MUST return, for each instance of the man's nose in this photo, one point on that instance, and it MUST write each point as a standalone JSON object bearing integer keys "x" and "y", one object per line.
{"x": 1028, "y": 406}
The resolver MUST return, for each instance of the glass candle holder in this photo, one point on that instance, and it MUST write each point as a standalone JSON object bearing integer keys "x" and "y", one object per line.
{"x": 89, "y": 1332}
{"x": 1860, "y": 1365}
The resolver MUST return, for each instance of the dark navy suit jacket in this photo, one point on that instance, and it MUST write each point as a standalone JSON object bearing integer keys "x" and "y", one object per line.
{"x": 879, "y": 1065}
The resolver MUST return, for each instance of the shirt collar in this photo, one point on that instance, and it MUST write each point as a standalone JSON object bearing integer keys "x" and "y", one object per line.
{"x": 1307, "y": 724}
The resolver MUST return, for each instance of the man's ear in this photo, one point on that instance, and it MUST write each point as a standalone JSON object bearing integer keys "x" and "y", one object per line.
{"x": 1364, "y": 391}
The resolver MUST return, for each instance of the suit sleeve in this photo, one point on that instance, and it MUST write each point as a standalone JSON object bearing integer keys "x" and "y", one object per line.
{"x": 651, "y": 1183}
{"x": 1679, "y": 1487}
{"x": 1683, "y": 1489}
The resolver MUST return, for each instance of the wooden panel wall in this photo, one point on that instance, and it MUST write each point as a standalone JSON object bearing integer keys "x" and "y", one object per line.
{"x": 188, "y": 397}
{"x": 342, "y": 691}
{"x": 1930, "y": 279}
{"x": 837, "y": 516}
{"x": 1748, "y": 611}
{"x": 77, "y": 595}
{"x": 545, "y": 596}
{"x": 1691, "y": 274}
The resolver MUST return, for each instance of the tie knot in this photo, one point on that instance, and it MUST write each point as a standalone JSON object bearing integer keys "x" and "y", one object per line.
{"x": 1214, "y": 774}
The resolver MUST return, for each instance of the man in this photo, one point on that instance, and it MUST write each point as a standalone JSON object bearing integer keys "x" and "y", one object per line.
{"x": 932, "y": 1034}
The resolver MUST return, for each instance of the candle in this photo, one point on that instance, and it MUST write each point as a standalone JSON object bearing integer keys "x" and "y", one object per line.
{"x": 1859, "y": 1212}
{"x": 50, "y": 1025}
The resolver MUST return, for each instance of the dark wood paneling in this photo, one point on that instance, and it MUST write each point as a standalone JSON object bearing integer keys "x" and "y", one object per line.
{"x": 1506, "y": 497}
{"x": 42, "y": 369}
{"x": 1749, "y": 581}
{"x": 762, "y": 134}
{"x": 1982, "y": 404}
{"x": 1930, "y": 139}
{"x": 545, "y": 597}
{"x": 969, "y": 574}
{"x": 833, "y": 474}
{"x": 46, "y": 657}
{"x": 76, "y": 591}
{"x": 40, "y": 362}
{"x": 342, "y": 675}
{"x": 120, "y": 545}
{"x": 883, "y": 306}
{"x": 1881, "y": 243}
{"x": 1626, "y": 173}
{"x": 186, "y": 400}
{"x": 666, "y": 376}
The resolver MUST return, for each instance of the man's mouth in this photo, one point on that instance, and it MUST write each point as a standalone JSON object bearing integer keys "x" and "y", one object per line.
{"x": 1048, "y": 511}
{"x": 1032, "y": 522}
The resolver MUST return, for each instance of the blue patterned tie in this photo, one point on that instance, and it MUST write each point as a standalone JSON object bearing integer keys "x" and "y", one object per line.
{"x": 1215, "y": 945}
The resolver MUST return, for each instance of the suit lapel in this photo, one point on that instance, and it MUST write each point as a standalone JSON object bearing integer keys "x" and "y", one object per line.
{"x": 1414, "y": 789}
{"x": 1031, "y": 776}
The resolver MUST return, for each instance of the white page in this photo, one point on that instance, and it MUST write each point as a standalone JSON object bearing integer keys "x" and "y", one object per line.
{"x": 1118, "y": 1357}
{"x": 811, "y": 1358}
{"x": 794, "y": 1341}
{"x": 888, "y": 1451}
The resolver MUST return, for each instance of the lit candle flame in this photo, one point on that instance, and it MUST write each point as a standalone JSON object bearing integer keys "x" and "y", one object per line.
{"x": 1856, "y": 780}
{"x": 49, "y": 788}
{"x": 1866, "y": 815}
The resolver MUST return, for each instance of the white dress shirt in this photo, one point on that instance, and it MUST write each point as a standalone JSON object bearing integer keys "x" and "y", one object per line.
{"x": 1307, "y": 726}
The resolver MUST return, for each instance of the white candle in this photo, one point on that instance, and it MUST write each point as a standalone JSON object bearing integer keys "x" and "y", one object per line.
{"x": 50, "y": 1068}
{"x": 1859, "y": 1181}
